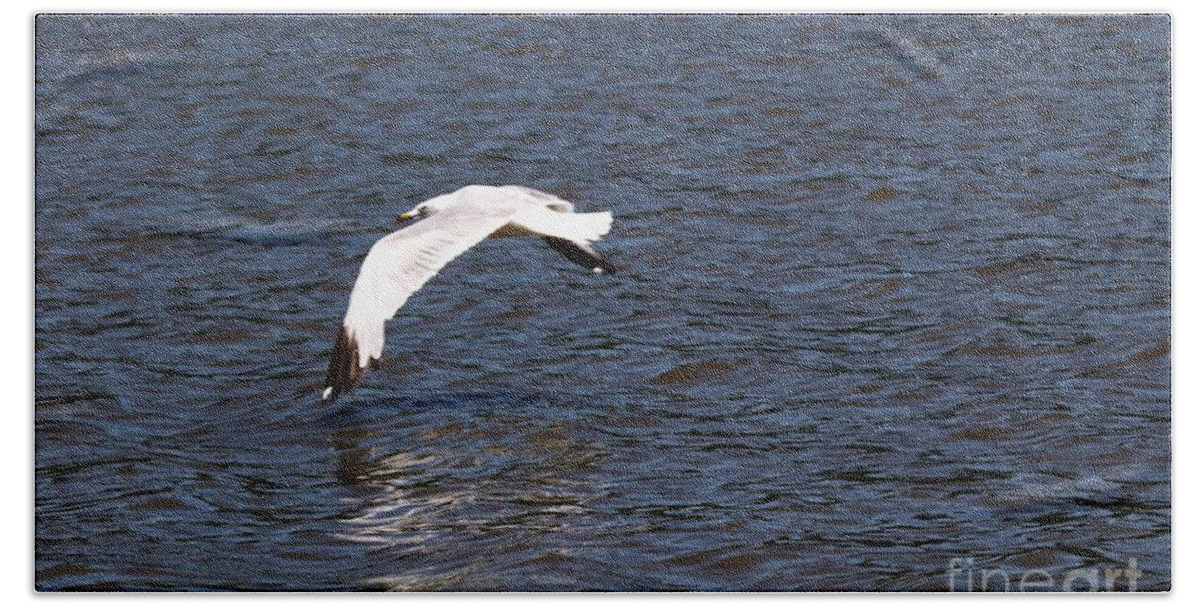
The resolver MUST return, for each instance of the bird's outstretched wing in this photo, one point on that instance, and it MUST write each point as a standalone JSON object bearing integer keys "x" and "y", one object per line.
{"x": 570, "y": 234}
{"x": 395, "y": 268}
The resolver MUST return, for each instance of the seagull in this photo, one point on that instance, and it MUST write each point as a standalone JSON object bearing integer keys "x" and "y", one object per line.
{"x": 448, "y": 225}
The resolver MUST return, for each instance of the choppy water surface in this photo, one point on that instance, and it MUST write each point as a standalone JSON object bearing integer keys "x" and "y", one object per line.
{"x": 893, "y": 290}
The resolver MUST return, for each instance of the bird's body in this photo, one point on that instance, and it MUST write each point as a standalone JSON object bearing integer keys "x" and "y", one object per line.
{"x": 400, "y": 263}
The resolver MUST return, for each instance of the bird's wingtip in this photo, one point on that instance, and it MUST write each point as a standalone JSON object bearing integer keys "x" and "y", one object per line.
{"x": 579, "y": 253}
{"x": 344, "y": 371}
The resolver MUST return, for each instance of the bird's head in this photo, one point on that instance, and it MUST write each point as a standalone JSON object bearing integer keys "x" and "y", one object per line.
{"x": 423, "y": 210}
{"x": 417, "y": 212}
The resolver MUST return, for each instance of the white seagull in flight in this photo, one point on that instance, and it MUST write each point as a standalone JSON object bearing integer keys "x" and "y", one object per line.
{"x": 401, "y": 262}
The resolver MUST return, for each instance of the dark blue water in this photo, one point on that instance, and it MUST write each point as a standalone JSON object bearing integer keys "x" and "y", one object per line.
{"x": 894, "y": 291}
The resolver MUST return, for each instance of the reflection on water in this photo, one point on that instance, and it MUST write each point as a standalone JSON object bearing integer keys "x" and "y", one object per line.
{"x": 482, "y": 485}
{"x": 893, "y": 291}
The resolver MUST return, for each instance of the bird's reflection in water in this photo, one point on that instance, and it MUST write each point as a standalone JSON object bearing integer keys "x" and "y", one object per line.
{"x": 449, "y": 485}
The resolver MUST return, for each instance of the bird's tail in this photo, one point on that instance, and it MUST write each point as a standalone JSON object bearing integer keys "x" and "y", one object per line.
{"x": 584, "y": 227}
{"x": 592, "y": 226}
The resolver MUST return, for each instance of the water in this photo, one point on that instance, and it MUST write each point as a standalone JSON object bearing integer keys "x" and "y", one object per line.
{"x": 893, "y": 291}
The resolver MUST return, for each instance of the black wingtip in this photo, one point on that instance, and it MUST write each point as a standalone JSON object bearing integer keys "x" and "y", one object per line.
{"x": 603, "y": 267}
{"x": 580, "y": 254}
{"x": 344, "y": 371}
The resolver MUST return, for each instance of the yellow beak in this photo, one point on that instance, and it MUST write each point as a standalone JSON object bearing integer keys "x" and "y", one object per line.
{"x": 407, "y": 215}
